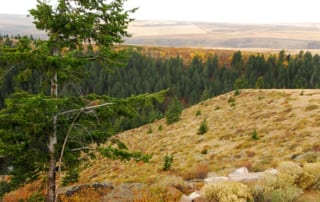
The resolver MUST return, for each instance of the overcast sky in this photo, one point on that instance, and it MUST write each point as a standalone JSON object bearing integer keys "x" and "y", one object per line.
{"x": 238, "y": 11}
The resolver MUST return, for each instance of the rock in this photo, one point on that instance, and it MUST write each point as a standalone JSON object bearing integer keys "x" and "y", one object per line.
{"x": 246, "y": 177}
{"x": 173, "y": 194}
{"x": 106, "y": 192}
{"x": 212, "y": 174}
{"x": 185, "y": 198}
{"x": 126, "y": 192}
{"x": 193, "y": 197}
{"x": 72, "y": 190}
{"x": 215, "y": 179}
{"x": 272, "y": 171}
{"x": 242, "y": 170}
{"x": 240, "y": 175}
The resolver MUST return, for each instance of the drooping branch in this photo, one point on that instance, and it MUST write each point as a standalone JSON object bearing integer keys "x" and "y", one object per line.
{"x": 66, "y": 140}
{"x": 84, "y": 109}
{"x": 80, "y": 110}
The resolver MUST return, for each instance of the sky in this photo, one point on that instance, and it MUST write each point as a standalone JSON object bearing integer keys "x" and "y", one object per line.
{"x": 235, "y": 11}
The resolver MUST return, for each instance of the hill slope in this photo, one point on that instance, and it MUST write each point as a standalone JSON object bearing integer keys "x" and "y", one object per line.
{"x": 256, "y": 129}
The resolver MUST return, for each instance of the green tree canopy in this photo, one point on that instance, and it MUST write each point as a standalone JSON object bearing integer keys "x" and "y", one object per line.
{"x": 42, "y": 126}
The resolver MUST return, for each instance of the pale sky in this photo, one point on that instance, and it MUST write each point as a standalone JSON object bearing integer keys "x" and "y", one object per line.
{"x": 236, "y": 11}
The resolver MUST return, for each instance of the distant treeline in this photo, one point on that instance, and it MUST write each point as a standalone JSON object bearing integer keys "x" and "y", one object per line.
{"x": 190, "y": 82}
{"x": 204, "y": 78}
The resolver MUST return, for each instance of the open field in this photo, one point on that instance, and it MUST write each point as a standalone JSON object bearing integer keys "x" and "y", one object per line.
{"x": 200, "y": 34}
{"x": 218, "y": 35}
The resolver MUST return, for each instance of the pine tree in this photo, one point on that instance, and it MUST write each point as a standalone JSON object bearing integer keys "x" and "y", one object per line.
{"x": 35, "y": 128}
{"x": 174, "y": 111}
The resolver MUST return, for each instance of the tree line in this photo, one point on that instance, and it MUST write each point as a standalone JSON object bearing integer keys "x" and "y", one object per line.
{"x": 201, "y": 78}
{"x": 190, "y": 82}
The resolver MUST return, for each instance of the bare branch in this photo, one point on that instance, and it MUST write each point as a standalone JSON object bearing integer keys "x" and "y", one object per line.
{"x": 84, "y": 109}
{"x": 65, "y": 142}
{"x": 83, "y": 148}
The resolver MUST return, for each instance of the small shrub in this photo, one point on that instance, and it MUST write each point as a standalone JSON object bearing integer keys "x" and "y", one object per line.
{"x": 311, "y": 107}
{"x": 203, "y": 127}
{"x": 316, "y": 148}
{"x": 227, "y": 192}
{"x": 275, "y": 189}
{"x": 303, "y": 178}
{"x": 198, "y": 171}
{"x": 150, "y": 130}
{"x": 255, "y": 135}
{"x": 4, "y": 188}
{"x": 301, "y": 93}
{"x": 163, "y": 188}
{"x": 236, "y": 92}
{"x": 124, "y": 154}
{"x": 72, "y": 176}
{"x": 231, "y": 100}
{"x": 160, "y": 128}
{"x": 174, "y": 111}
{"x": 198, "y": 113}
{"x": 36, "y": 197}
{"x": 145, "y": 195}
{"x": 216, "y": 108}
{"x": 205, "y": 149}
{"x": 250, "y": 153}
{"x": 313, "y": 170}
{"x": 290, "y": 171}
{"x": 168, "y": 160}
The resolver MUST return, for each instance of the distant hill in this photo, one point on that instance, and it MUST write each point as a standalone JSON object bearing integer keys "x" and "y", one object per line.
{"x": 198, "y": 34}
{"x": 225, "y": 35}
{"x": 18, "y": 24}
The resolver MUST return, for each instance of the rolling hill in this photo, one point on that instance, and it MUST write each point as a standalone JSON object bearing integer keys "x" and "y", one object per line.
{"x": 198, "y": 34}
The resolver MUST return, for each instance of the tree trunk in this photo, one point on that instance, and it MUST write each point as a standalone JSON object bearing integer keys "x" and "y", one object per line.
{"x": 51, "y": 186}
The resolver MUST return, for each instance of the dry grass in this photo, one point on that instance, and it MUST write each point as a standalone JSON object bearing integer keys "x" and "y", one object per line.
{"x": 25, "y": 192}
{"x": 286, "y": 131}
{"x": 282, "y": 123}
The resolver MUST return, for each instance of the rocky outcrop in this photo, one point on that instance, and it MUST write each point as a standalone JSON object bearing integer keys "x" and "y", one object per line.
{"x": 106, "y": 192}
{"x": 193, "y": 197}
{"x": 126, "y": 193}
{"x": 102, "y": 188}
{"x": 241, "y": 175}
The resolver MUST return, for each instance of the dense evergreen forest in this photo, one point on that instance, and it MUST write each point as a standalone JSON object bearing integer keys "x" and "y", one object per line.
{"x": 190, "y": 81}
{"x": 201, "y": 78}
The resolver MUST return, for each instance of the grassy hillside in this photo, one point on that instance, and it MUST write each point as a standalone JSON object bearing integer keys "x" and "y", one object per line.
{"x": 256, "y": 129}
